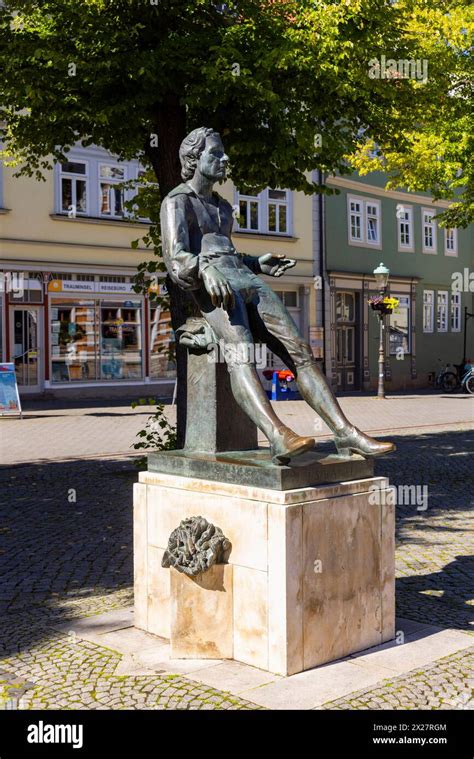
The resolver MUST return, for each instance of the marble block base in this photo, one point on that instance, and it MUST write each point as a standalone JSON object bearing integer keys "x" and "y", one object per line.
{"x": 312, "y": 568}
{"x": 201, "y": 612}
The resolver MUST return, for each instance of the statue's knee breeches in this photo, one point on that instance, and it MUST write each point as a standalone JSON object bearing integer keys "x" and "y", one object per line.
{"x": 235, "y": 342}
{"x": 299, "y": 351}
{"x": 281, "y": 330}
{"x": 237, "y": 354}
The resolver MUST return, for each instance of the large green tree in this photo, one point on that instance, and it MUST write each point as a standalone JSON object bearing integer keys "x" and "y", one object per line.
{"x": 291, "y": 85}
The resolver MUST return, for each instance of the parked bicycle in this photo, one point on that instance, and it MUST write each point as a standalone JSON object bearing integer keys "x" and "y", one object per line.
{"x": 455, "y": 377}
{"x": 467, "y": 382}
{"x": 446, "y": 378}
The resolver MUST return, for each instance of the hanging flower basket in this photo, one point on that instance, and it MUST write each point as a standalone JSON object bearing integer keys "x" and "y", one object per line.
{"x": 384, "y": 305}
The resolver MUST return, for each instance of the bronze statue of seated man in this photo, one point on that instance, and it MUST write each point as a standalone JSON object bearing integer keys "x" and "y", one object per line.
{"x": 241, "y": 309}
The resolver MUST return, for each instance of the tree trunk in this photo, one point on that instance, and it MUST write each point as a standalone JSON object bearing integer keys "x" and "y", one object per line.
{"x": 169, "y": 121}
{"x": 170, "y": 126}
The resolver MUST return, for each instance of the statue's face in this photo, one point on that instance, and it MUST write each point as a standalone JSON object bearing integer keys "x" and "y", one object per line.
{"x": 213, "y": 160}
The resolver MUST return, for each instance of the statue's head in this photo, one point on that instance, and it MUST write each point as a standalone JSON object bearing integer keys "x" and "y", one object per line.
{"x": 203, "y": 150}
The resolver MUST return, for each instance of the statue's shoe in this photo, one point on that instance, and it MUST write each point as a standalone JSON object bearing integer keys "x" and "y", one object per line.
{"x": 287, "y": 444}
{"x": 355, "y": 441}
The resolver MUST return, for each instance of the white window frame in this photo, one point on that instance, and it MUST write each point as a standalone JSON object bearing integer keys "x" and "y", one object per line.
{"x": 94, "y": 157}
{"x": 140, "y": 171}
{"x": 363, "y": 241}
{"x": 278, "y": 203}
{"x": 430, "y": 249}
{"x": 241, "y": 197}
{"x": 263, "y": 203}
{"x": 402, "y": 246}
{"x": 72, "y": 176}
{"x": 357, "y": 213}
{"x": 455, "y": 312}
{"x": 370, "y": 215}
{"x": 442, "y": 308}
{"x": 428, "y": 311}
{"x": 111, "y": 181}
{"x": 453, "y": 234}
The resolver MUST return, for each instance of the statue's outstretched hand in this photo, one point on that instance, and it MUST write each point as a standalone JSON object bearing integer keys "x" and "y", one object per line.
{"x": 218, "y": 288}
{"x": 275, "y": 264}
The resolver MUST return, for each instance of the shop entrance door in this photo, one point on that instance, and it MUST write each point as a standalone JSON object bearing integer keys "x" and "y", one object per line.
{"x": 346, "y": 341}
{"x": 27, "y": 348}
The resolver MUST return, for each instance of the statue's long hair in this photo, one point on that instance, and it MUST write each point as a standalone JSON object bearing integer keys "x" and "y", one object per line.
{"x": 190, "y": 150}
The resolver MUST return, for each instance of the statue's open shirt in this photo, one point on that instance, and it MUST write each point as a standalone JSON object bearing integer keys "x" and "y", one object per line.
{"x": 196, "y": 234}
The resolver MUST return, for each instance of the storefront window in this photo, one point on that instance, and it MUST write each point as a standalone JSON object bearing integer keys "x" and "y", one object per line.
{"x": 73, "y": 341}
{"x": 121, "y": 348}
{"x": 95, "y": 340}
{"x": 162, "y": 362}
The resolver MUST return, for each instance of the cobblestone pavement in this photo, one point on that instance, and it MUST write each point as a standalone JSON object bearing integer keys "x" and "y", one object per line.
{"x": 443, "y": 685}
{"x": 66, "y": 552}
{"x": 66, "y": 673}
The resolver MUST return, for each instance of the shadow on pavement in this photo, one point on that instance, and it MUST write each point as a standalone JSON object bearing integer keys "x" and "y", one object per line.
{"x": 438, "y": 586}
{"x": 66, "y": 538}
{"x": 29, "y": 415}
{"x": 65, "y": 544}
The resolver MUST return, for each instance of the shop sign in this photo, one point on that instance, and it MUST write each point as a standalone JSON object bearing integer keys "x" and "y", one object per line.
{"x": 72, "y": 285}
{"x": 115, "y": 287}
{"x": 157, "y": 288}
{"x": 9, "y": 396}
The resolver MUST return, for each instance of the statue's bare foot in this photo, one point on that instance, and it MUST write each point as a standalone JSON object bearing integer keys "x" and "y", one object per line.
{"x": 287, "y": 444}
{"x": 355, "y": 441}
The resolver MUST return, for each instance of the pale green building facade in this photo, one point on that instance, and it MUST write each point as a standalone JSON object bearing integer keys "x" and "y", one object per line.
{"x": 430, "y": 273}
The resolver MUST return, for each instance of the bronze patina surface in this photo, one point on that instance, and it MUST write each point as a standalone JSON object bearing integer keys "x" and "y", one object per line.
{"x": 255, "y": 468}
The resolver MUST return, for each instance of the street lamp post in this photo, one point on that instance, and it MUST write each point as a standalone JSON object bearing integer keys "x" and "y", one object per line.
{"x": 381, "y": 274}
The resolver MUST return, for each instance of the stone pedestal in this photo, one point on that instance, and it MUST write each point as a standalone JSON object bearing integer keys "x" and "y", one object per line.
{"x": 311, "y": 569}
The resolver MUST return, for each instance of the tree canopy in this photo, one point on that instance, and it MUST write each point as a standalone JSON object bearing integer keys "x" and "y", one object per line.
{"x": 291, "y": 84}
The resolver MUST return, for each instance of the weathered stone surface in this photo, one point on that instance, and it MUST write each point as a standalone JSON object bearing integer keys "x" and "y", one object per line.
{"x": 201, "y": 614}
{"x": 140, "y": 548}
{"x": 256, "y": 468}
{"x": 387, "y": 552}
{"x": 251, "y": 616}
{"x": 158, "y": 585}
{"x": 343, "y": 577}
{"x": 285, "y": 582}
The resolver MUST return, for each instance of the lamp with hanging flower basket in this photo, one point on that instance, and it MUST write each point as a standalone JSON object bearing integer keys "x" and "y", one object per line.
{"x": 383, "y": 304}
